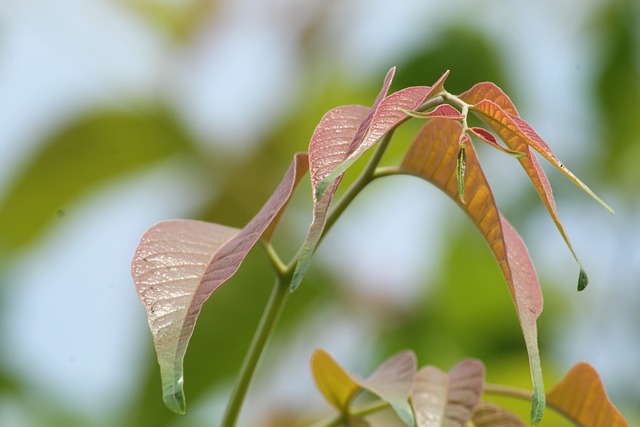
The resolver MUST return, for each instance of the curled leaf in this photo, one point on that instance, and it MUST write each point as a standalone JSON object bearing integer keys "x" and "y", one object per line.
{"x": 581, "y": 397}
{"x": 432, "y": 156}
{"x": 444, "y": 111}
{"x": 496, "y": 109}
{"x": 488, "y": 137}
{"x": 441, "y": 399}
{"x": 179, "y": 264}
{"x": 461, "y": 164}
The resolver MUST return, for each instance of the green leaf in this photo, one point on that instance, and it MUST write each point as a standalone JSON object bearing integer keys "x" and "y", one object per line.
{"x": 179, "y": 264}
{"x": 97, "y": 148}
{"x": 581, "y": 397}
{"x": 441, "y": 399}
{"x": 433, "y": 156}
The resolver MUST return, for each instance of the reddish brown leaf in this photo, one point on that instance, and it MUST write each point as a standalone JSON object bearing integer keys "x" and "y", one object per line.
{"x": 441, "y": 399}
{"x": 179, "y": 264}
{"x": 581, "y": 397}
{"x": 488, "y": 137}
{"x": 492, "y": 415}
{"x": 433, "y": 156}
{"x": 444, "y": 111}
{"x": 496, "y": 109}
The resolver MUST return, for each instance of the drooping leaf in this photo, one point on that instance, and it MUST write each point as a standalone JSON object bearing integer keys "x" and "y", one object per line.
{"x": 441, "y": 399}
{"x": 492, "y": 415}
{"x": 179, "y": 264}
{"x": 87, "y": 153}
{"x": 392, "y": 382}
{"x": 581, "y": 397}
{"x": 433, "y": 156}
{"x": 495, "y": 108}
{"x": 327, "y": 149}
{"x": 384, "y": 116}
{"x": 336, "y": 385}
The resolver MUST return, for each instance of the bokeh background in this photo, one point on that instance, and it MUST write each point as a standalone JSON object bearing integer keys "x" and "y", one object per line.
{"x": 117, "y": 114}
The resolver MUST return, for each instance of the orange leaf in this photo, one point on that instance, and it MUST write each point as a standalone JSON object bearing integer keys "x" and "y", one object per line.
{"x": 494, "y": 107}
{"x": 433, "y": 156}
{"x": 581, "y": 397}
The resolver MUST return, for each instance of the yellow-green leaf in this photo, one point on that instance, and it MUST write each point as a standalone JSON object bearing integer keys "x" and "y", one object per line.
{"x": 336, "y": 385}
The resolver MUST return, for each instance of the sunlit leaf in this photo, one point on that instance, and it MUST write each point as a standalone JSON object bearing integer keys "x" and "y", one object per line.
{"x": 495, "y": 108}
{"x": 328, "y": 148}
{"x": 492, "y": 415}
{"x": 179, "y": 264}
{"x": 336, "y": 385}
{"x": 444, "y": 111}
{"x": 581, "y": 397}
{"x": 488, "y": 137}
{"x": 441, "y": 399}
{"x": 385, "y": 115}
{"x": 433, "y": 156}
{"x": 87, "y": 153}
{"x": 392, "y": 382}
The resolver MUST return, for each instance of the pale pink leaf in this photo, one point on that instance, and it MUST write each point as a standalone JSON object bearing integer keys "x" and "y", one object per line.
{"x": 179, "y": 264}
{"x": 447, "y": 400}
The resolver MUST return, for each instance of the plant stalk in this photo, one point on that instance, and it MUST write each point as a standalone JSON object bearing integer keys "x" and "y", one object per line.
{"x": 265, "y": 330}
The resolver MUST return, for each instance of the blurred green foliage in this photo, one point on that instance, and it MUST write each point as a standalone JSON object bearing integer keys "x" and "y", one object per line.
{"x": 463, "y": 312}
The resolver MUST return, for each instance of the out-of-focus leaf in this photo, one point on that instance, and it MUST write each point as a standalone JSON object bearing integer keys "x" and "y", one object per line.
{"x": 581, "y": 397}
{"x": 336, "y": 385}
{"x": 392, "y": 382}
{"x": 492, "y": 415}
{"x": 496, "y": 109}
{"x": 433, "y": 156}
{"x": 328, "y": 147}
{"x": 179, "y": 264}
{"x": 89, "y": 152}
{"x": 441, "y": 399}
{"x": 383, "y": 117}
{"x": 179, "y": 20}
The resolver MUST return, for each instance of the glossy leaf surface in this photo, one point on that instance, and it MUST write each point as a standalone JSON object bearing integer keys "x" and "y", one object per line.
{"x": 433, "y": 156}
{"x": 179, "y": 264}
{"x": 441, "y": 399}
{"x": 495, "y": 108}
{"x": 492, "y": 415}
{"x": 328, "y": 148}
{"x": 385, "y": 115}
{"x": 581, "y": 397}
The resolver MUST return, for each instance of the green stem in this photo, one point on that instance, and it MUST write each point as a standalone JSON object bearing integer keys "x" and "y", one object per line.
{"x": 265, "y": 330}
{"x": 360, "y": 411}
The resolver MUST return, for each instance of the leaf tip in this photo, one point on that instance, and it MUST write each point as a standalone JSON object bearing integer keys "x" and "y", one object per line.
{"x": 583, "y": 280}
{"x": 174, "y": 398}
{"x": 538, "y": 403}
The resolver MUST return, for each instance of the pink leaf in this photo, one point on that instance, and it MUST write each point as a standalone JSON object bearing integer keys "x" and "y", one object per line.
{"x": 447, "y": 400}
{"x": 179, "y": 264}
